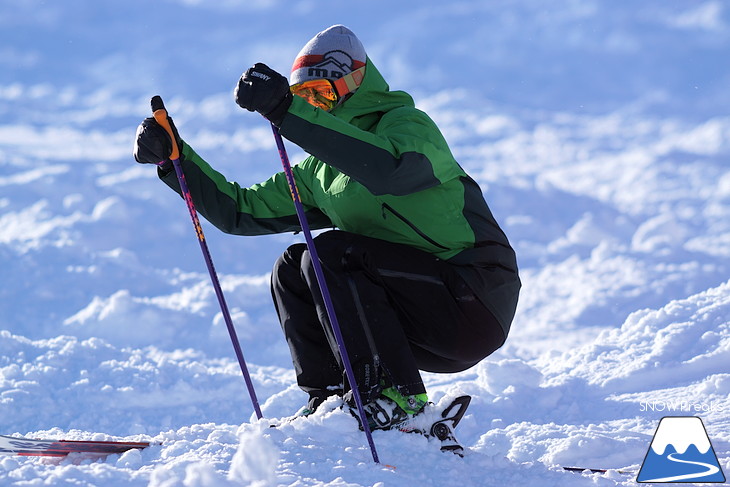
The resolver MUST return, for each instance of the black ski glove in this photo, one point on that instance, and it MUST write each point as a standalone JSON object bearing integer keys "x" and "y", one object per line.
{"x": 263, "y": 90}
{"x": 153, "y": 145}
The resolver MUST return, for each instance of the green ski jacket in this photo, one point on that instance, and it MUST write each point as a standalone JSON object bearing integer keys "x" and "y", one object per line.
{"x": 378, "y": 167}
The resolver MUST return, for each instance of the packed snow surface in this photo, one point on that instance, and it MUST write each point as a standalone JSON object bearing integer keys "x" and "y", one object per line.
{"x": 599, "y": 131}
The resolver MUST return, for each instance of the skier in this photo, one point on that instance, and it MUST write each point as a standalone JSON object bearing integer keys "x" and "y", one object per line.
{"x": 421, "y": 276}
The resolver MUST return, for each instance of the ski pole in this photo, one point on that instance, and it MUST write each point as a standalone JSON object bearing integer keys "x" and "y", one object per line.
{"x": 160, "y": 114}
{"x": 323, "y": 289}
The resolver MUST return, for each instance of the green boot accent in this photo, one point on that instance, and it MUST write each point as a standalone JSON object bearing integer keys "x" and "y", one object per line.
{"x": 410, "y": 404}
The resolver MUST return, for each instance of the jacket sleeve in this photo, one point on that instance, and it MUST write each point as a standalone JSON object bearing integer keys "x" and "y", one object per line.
{"x": 263, "y": 208}
{"x": 403, "y": 153}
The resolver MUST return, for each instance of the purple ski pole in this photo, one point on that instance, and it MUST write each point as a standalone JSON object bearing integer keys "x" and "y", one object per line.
{"x": 160, "y": 114}
{"x": 323, "y": 289}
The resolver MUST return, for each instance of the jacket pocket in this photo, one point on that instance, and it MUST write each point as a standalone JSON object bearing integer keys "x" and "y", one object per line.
{"x": 387, "y": 208}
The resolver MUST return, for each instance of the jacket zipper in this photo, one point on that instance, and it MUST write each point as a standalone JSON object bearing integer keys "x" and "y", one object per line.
{"x": 428, "y": 239}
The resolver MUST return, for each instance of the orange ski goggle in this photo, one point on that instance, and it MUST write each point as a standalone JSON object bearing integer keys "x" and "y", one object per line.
{"x": 324, "y": 93}
{"x": 318, "y": 92}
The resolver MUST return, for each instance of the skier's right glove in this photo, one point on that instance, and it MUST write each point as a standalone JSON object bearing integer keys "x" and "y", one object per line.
{"x": 153, "y": 145}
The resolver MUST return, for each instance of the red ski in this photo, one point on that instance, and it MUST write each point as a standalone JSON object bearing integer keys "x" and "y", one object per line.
{"x": 13, "y": 445}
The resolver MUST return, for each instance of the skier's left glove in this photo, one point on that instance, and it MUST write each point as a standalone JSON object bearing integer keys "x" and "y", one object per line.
{"x": 153, "y": 145}
{"x": 263, "y": 90}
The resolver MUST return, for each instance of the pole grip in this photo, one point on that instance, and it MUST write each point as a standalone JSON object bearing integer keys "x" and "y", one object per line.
{"x": 160, "y": 114}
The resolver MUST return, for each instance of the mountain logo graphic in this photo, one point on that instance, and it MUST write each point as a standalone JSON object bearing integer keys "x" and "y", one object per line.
{"x": 334, "y": 64}
{"x": 680, "y": 452}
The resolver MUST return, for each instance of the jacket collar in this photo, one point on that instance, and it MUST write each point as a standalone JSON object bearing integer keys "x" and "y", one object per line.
{"x": 372, "y": 96}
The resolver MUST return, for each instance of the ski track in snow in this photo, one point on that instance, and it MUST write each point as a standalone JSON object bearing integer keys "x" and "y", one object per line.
{"x": 599, "y": 132}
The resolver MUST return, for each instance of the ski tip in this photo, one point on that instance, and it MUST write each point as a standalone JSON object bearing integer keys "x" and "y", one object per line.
{"x": 11, "y": 445}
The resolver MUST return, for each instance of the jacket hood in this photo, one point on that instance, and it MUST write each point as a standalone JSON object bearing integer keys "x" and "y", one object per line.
{"x": 373, "y": 96}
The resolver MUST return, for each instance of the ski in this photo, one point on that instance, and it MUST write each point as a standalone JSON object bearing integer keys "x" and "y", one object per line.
{"x": 13, "y": 445}
{"x": 597, "y": 470}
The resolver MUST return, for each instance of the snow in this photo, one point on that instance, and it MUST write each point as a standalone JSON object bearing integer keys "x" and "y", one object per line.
{"x": 598, "y": 130}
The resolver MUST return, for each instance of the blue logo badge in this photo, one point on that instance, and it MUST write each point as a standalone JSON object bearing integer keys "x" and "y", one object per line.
{"x": 680, "y": 452}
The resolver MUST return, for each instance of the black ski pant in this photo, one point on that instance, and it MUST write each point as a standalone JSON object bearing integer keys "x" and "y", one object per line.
{"x": 399, "y": 309}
